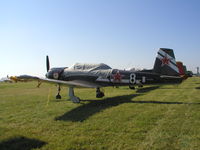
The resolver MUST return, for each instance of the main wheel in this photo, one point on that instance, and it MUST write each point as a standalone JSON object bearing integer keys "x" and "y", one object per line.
{"x": 58, "y": 96}
{"x": 131, "y": 87}
{"x": 140, "y": 85}
{"x": 99, "y": 95}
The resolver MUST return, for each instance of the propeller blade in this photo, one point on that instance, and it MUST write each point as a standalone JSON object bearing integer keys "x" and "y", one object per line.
{"x": 47, "y": 63}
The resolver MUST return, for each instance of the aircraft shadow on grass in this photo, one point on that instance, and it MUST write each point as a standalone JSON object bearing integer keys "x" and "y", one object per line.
{"x": 164, "y": 88}
{"x": 166, "y": 102}
{"x": 83, "y": 112}
{"x": 147, "y": 89}
{"x": 21, "y": 143}
{"x": 94, "y": 106}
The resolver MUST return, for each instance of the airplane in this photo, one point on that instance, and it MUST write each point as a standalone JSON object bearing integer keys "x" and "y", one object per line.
{"x": 12, "y": 79}
{"x": 184, "y": 73}
{"x": 101, "y": 75}
{"x": 187, "y": 72}
{"x": 6, "y": 79}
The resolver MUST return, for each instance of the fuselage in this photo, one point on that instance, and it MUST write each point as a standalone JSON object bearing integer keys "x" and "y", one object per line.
{"x": 106, "y": 76}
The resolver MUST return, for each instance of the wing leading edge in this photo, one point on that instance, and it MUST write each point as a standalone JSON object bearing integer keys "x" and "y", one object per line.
{"x": 74, "y": 83}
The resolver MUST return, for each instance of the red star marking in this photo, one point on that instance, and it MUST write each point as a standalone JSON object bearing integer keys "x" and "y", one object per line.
{"x": 117, "y": 76}
{"x": 165, "y": 60}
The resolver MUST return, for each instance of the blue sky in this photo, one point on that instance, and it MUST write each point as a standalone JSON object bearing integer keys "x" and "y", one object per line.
{"x": 120, "y": 33}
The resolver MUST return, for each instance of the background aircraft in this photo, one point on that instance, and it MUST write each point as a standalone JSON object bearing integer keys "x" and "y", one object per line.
{"x": 6, "y": 79}
{"x": 184, "y": 73}
{"x": 101, "y": 75}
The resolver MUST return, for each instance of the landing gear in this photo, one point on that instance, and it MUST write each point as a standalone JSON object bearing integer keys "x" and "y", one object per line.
{"x": 58, "y": 96}
{"x": 140, "y": 85}
{"x": 132, "y": 87}
{"x": 99, "y": 94}
{"x": 39, "y": 83}
{"x": 72, "y": 97}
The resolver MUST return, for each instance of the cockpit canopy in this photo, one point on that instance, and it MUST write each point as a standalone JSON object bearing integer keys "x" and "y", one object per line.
{"x": 80, "y": 69}
{"x": 89, "y": 67}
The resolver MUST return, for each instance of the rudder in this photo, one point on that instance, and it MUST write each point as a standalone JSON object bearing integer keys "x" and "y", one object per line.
{"x": 165, "y": 63}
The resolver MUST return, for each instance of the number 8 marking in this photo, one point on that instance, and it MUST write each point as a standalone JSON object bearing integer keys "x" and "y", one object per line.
{"x": 132, "y": 78}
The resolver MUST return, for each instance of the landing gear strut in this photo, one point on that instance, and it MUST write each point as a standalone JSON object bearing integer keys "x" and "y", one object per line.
{"x": 99, "y": 94}
{"x": 132, "y": 87}
{"x": 72, "y": 97}
{"x": 58, "y": 96}
{"x": 140, "y": 85}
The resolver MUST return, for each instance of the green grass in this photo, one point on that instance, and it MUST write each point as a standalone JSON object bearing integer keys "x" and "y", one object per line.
{"x": 165, "y": 117}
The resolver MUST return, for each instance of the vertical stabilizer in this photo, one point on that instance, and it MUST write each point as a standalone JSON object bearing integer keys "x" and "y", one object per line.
{"x": 165, "y": 63}
{"x": 180, "y": 68}
{"x": 185, "y": 68}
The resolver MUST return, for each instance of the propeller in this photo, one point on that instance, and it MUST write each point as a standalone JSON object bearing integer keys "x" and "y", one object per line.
{"x": 47, "y": 63}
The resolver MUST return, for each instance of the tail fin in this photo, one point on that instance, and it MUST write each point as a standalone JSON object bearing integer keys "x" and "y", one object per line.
{"x": 180, "y": 68}
{"x": 165, "y": 63}
{"x": 185, "y": 69}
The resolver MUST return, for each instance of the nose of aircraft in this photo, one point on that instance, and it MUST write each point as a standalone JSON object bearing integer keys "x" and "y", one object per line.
{"x": 54, "y": 73}
{"x": 46, "y": 75}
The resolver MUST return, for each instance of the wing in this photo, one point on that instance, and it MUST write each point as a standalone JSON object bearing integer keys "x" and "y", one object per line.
{"x": 73, "y": 83}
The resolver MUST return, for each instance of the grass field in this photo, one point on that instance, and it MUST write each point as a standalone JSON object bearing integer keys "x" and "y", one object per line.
{"x": 164, "y": 117}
